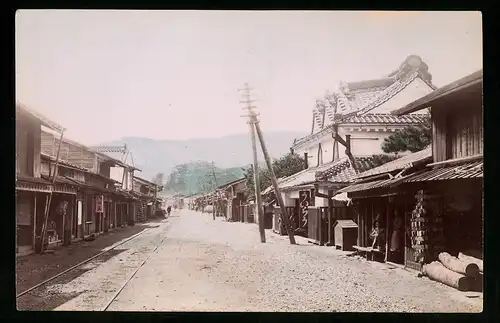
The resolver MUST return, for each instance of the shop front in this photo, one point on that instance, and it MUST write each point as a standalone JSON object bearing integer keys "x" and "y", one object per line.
{"x": 31, "y": 196}
{"x": 25, "y": 210}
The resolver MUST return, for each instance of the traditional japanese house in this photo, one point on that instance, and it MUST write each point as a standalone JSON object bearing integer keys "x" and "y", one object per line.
{"x": 380, "y": 202}
{"x": 32, "y": 190}
{"x": 450, "y": 193}
{"x": 235, "y": 193}
{"x": 64, "y": 223}
{"x": 97, "y": 196}
{"x": 430, "y": 201}
{"x": 357, "y": 117}
{"x": 145, "y": 191}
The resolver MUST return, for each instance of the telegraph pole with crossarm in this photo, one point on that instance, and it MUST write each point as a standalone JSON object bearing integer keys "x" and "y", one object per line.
{"x": 255, "y": 127}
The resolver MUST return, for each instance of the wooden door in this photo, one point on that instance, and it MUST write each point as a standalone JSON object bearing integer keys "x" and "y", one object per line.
{"x": 105, "y": 217}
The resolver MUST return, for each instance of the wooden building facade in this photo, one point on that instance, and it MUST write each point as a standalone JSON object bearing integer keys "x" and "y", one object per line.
{"x": 450, "y": 191}
{"x": 145, "y": 192}
{"x": 417, "y": 206}
{"x": 32, "y": 191}
{"x": 358, "y": 117}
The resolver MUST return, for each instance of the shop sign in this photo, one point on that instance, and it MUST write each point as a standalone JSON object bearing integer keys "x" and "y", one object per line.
{"x": 305, "y": 201}
{"x": 99, "y": 204}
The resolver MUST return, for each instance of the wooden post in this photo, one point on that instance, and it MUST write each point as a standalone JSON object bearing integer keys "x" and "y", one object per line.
{"x": 253, "y": 118}
{"x": 258, "y": 198}
{"x": 275, "y": 183}
{"x": 388, "y": 211}
{"x": 63, "y": 238}
{"x": 358, "y": 210}
{"x": 34, "y": 220}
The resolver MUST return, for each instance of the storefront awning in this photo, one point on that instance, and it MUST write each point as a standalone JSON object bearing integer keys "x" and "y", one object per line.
{"x": 342, "y": 197}
{"x": 43, "y": 184}
{"x": 473, "y": 169}
{"x": 33, "y": 184}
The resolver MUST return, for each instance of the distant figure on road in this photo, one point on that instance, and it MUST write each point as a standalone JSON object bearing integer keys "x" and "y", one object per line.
{"x": 169, "y": 208}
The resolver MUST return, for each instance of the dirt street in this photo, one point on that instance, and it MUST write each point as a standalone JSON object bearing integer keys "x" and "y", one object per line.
{"x": 194, "y": 263}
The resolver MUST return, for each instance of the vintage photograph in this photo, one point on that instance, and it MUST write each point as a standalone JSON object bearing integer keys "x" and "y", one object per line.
{"x": 249, "y": 161}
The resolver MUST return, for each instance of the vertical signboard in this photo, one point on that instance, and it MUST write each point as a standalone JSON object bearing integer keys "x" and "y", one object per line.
{"x": 99, "y": 204}
{"x": 305, "y": 201}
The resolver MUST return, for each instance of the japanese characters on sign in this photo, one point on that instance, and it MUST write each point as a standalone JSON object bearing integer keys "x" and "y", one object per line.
{"x": 99, "y": 204}
{"x": 305, "y": 201}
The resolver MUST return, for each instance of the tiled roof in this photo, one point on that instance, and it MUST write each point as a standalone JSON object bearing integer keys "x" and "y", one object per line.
{"x": 60, "y": 180}
{"x": 363, "y": 96}
{"x": 381, "y": 118}
{"x": 29, "y": 179}
{"x": 361, "y": 103}
{"x": 303, "y": 177}
{"x": 399, "y": 163}
{"x": 388, "y": 93}
{"x": 342, "y": 171}
{"x": 472, "y": 169}
{"x": 371, "y": 185}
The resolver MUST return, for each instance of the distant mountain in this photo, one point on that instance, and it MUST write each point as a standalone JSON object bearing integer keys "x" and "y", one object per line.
{"x": 154, "y": 156}
{"x": 191, "y": 178}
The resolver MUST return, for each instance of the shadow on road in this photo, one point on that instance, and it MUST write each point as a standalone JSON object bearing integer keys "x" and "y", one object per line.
{"x": 33, "y": 269}
{"x": 44, "y": 298}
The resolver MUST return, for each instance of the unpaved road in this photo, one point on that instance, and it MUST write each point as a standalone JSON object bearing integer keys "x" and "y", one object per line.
{"x": 207, "y": 265}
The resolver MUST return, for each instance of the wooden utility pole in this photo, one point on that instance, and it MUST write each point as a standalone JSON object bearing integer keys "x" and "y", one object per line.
{"x": 255, "y": 122}
{"x": 259, "y": 209}
{"x": 49, "y": 198}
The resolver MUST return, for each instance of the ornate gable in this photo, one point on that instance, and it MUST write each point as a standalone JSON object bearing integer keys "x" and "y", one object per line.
{"x": 363, "y": 96}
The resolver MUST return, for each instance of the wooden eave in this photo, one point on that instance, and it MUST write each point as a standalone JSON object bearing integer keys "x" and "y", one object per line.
{"x": 144, "y": 182}
{"x": 43, "y": 120}
{"x": 457, "y": 86}
{"x": 314, "y": 137}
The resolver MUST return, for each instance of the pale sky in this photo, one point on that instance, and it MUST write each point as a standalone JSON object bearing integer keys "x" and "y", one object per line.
{"x": 174, "y": 74}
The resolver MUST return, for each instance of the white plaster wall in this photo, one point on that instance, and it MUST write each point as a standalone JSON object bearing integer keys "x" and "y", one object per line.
{"x": 364, "y": 143}
{"x": 312, "y": 155}
{"x": 327, "y": 147}
{"x": 287, "y": 199}
{"x": 319, "y": 201}
{"x": 413, "y": 91}
{"x": 367, "y": 143}
{"x": 116, "y": 173}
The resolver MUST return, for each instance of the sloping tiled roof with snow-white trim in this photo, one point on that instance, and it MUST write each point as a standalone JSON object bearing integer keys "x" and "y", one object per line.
{"x": 359, "y": 98}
